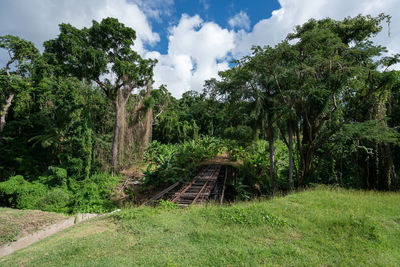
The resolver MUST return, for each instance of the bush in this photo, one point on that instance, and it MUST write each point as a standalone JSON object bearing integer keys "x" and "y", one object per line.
{"x": 16, "y": 192}
{"x": 94, "y": 194}
{"x": 255, "y": 170}
{"x": 170, "y": 163}
{"x": 243, "y": 134}
{"x": 54, "y": 176}
{"x": 56, "y": 200}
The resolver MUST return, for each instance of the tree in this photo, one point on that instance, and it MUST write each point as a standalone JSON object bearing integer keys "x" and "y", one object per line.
{"x": 249, "y": 82}
{"x": 103, "y": 54}
{"x": 272, "y": 68}
{"x": 328, "y": 57}
{"x": 311, "y": 80}
{"x": 17, "y": 70}
{"x": 315, "y": 73}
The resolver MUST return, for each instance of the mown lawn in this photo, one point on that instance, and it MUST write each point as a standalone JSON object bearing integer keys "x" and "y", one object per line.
{"x": 320, "y": 227}
{"x": 15, "y": 224}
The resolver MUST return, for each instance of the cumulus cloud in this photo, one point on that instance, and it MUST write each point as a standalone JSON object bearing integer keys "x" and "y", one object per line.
{"x": 176, "y": 68}
{"x": 241, "y": 20}
{"x": 37, "y": 20}
{"x": 197, "y": 50}
{"x": 292, "y": 12}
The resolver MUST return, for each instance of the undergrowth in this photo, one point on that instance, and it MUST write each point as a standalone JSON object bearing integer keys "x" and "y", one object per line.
{"x": 172, "y": 162}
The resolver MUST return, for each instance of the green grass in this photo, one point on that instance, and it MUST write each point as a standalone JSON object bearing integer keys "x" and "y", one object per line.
{"x": 321, "y": 227}
{"x": 17, "y": 223}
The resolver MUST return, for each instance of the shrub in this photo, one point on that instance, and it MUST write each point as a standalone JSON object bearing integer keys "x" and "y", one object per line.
{"x": 21, "y": 194}
{"x": 170, "y": 163}
{"x": 56, "y": 200}
{"x": 54, "y": 176}
{"x": 255, "y": 170}
{"x": 243, "y": 134}
{"x": 94, "y": 194}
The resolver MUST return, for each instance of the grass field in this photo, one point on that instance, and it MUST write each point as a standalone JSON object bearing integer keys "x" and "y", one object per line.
{"x": 17, "y": 223}
{"x": 320, "y": 227}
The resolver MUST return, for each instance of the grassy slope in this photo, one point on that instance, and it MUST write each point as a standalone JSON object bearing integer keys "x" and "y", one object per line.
{"x": 316, "y": 227}
{"x": 17, "y": 223}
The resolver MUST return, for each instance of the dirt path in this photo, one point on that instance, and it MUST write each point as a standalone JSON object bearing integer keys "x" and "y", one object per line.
{"x": 50, "y": 230}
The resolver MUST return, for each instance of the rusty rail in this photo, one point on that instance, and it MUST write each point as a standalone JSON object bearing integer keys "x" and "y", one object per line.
{"x": 162, "y": 193}
{"x": 195, "y": 191}
{"x": 209, "y": 183}
{"x": 201, "y": 190}
{"x": 223, "y": 188}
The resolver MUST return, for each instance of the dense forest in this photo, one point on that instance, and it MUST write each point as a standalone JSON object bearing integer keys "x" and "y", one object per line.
{"x": 322, "y": 106}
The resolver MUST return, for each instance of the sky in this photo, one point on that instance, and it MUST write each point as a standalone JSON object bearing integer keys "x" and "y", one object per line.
{"x": 191, "y": 39}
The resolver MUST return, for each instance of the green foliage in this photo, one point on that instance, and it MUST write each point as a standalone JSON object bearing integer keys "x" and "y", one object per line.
{"x": 170, "y": 163}
{"x": 254, "y": 172}
{"x": 332, "y": 91}
{"x": 21, "y": 194}
{"x": 94, "y": 194}
{"x": 370, "y": 130}
{"x": 56, "y": 200}
{"x": 55, "y": 176}
{"x": 244, "y": 134}
{"x": 249, "y": 215}
{"x": 167, "y": 205}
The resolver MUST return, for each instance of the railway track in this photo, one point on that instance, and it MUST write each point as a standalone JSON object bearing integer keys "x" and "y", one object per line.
{"x": 209, "y": 184}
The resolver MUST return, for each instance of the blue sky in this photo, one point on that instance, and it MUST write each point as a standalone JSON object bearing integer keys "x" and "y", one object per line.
{"x": 220, "y": 12}
{"x": 191, "y": 39}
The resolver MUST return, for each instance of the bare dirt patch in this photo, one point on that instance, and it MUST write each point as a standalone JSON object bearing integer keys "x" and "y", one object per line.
{"x": 15, "y": 224}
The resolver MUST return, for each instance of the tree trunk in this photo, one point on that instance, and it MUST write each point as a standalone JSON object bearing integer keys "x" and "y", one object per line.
{"x": 5, "y": 111}
{"x": 306, "y": 168}
{"x": 118, "y": 146}
{"x": 271, "y": 156}
{"x": 147, "y": 123}
{"x": 116, "y": 135}
{"x": 290, "y": 132}
{"x": 299, "y": 146}
{"x": 122, "y": 131}
{"x": 307, "y": 150}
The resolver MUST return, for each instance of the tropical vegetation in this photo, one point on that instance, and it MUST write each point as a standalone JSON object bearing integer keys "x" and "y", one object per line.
{"x": 320, "y": 107}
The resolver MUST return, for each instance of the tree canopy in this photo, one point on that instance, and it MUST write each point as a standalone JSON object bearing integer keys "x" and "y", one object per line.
{"x": 321, "y": 106}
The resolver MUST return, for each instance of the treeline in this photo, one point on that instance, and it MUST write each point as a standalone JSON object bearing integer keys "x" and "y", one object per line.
{"x": 326, "y": 93}
{"x": 322, "y": 106}
{"x": 71, "y": 116}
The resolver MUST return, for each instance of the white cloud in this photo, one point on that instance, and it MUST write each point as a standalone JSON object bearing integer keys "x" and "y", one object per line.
{"x": 205, "y": 4}
{"x": 196, "y": 52}
{"x": 241, "y": 20}
{"x": 37, "y": 20}
{"x": 292, "y": 12}
{"x": 155, "y": 9}
{"x": 175, "y": 69}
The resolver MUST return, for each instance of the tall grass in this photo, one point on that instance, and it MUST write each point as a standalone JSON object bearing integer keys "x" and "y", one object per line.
{"x": 319, "y": 227}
